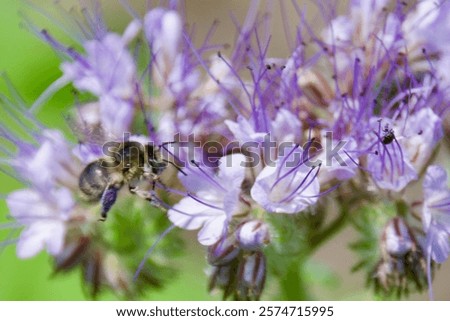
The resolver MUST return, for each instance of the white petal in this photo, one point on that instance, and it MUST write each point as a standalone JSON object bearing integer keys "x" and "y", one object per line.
{"x": 212, "y": 230}
{"x": 131, "y": 32}
{"x": 191, "y": 215}
{"x": 39, "y": 235}
{"x": 286, "y": 127}
{"x": 27, "y": 204}
{"x": 196, "y": 180}
{"x": 440, "y": 246}
{"x": 232, "y": 170}
{"x": 116, "y": 115}
{"x": 435, "y": 180}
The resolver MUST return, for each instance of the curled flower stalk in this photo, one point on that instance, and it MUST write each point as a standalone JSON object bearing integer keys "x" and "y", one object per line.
{"x": 266, "y": 158}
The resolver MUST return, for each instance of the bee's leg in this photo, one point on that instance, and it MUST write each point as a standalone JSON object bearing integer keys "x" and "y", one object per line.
{"x": 147, "y": 195}
{"x": 139, "y": 192}
{"x": 108, "y": 199}
{"x": 153, "y": 177}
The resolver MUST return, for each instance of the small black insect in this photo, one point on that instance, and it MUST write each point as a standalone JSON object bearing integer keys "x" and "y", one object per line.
{"x": 388, "y": 135}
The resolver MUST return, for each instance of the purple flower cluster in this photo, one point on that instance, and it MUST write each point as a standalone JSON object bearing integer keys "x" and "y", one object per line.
{"x": 258, "y": 137}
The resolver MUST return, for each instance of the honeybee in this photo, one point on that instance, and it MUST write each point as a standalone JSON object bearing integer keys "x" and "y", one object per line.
{"x": 129, "y": 163}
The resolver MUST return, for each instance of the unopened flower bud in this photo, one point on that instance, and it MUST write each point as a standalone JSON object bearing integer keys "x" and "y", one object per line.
{"x": 223, "y": 251}
{"x": 402, "y": 264}
{"x": 92, "y": 271}
{"x": 72, "y": 254}
{"x": 397, "y": 239}
{"x": 163, "y": 29}
{"x": 116, "y": 274}
{"x": 251, "y": 277}
{"x": 253, "y": 235}
{"x": 224, "y": 277}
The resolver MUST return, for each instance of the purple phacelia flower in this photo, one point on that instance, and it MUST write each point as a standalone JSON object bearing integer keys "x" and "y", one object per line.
{"x": 172, "y": 72}
{"x": 288, "y": 187}
{"x": 44, "y": 215}
{"x": 436, "y": 217}
{"x": 286, "y": 127}
{"x": 425, "y": 32}
{"x": 244, "y": 131}
{"x": 387, "y": 161}
{"x": 367, "y": 33}
{"x": 339, "y": 160}
{"x": 402, "y": 147}
{"x": 205, "y": 107}
{"x": 48, "y": 164}
{"x": 108, "y": 71}
{"x": 212, "y": 199}
{"x": 436, "y": 213}
{"x": 163, "y": 30}
{"x": 422, "y": 133}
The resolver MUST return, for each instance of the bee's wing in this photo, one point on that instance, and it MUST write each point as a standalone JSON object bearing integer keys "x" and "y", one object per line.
{"x": 88, "y": 130}
{"x": 90, "y": 135}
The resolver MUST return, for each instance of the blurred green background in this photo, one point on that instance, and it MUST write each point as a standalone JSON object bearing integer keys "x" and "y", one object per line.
{"x": 32, "y": 66}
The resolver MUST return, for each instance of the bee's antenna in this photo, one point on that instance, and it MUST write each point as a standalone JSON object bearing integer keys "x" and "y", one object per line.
{"x": 150, "y": 250}
{"x": 168, "y": 161}
{"x": 168, "y": 143}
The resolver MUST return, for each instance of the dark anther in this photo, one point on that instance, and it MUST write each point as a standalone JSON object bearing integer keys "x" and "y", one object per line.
{"x": 194, "y": 163}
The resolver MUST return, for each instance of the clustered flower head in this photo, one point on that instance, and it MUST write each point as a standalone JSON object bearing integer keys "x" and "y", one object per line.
{"x": 267, "y": 157}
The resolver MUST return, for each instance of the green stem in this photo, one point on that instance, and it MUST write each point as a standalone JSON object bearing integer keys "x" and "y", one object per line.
{"x": 293, "y": 285}
{"x": 330, "y": 230}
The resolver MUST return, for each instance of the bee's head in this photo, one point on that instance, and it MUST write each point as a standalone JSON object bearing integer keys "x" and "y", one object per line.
{"x": 132, "y": 154}
{"x": 155, "y": 161}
